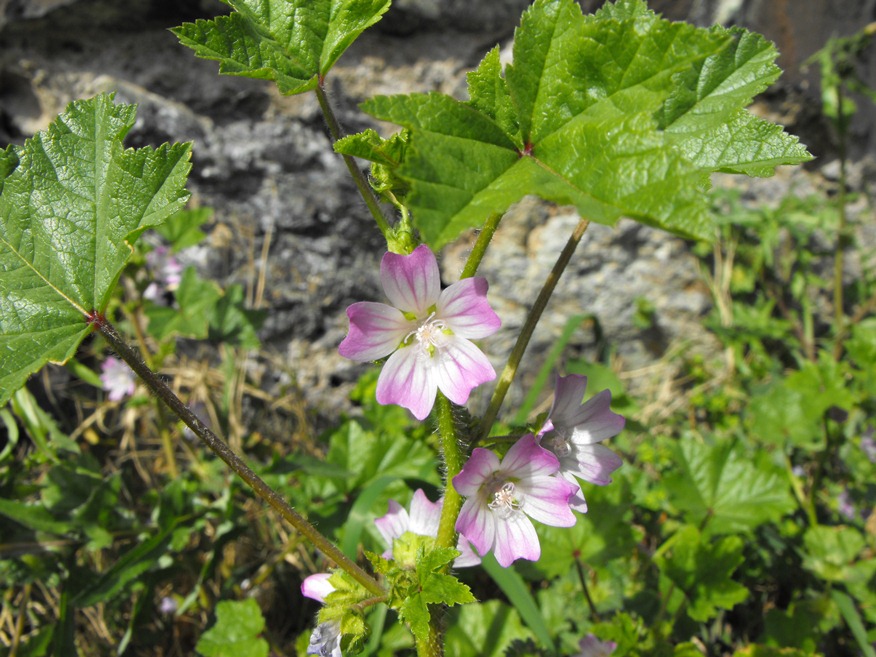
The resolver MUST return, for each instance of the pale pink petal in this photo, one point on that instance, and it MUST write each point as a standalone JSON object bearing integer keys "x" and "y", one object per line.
{"x": 117, "y": 378}
{"x": 477, "y": 524}
{"x": 546, "y": 499}
{"x": 516, "y": 539}
{"x": 460, "y": 368}
{"x": 595, "y": 463}
{"x": 465, "y": 309}
{"x": 425, "y": 515}
{"x": 568, "y": 395}
{"x": 595, "y": 421}
{"x": 395, "y": 523}
{"x": 593, "y": 647}
{"x": 577, "y": 501}
{"x": 317, "y": 587}
{"x": 404, "y": 380}
{"x": 467, "y": 557}
{"x": 376, "y": 330}
{"x": 411, "y": 282}
{"x": 480, "y": 465}
{"x": 527, "y": 458}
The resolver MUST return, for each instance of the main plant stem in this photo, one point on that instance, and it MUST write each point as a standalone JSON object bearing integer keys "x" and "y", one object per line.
{"x": 365, "y": 189}
{"x": 269, "y": 495}
{"x": 452, "y": 466}
{"x": 532, "y": 319}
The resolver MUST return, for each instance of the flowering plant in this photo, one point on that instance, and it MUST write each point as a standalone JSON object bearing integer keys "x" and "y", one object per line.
{"x": 621, "y": 113}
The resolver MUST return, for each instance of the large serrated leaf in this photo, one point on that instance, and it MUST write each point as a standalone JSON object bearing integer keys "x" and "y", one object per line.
{"x": 702, "y": 569}
{"x": 292, "y": 42}
{"x": 718, "y": 487}
{"x": 621, "y": 114}
{"x": 69, "y": 210}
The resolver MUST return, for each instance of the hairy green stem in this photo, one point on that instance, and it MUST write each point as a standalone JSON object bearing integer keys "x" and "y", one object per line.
{"x": 365, "y": 189}
{"x": 452, "y": 465}
{"x": 269, "y": 495}
{"x": 480, "y": 245}
{"x": 433, "y": 644}
{"x": 532, "y": 319}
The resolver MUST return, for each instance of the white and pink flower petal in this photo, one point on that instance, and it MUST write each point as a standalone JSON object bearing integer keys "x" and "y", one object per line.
{"x": 568, "y": 395}
{"x": 376, "y": 330}
{"x": 516, "y": 539}
{"x": 460, "y": 368}
{"x": 467, "y": 557}
{"x": 480, "y": 466}
{"x": 595, "y": 421}
{"x": 465, "y": 309}
{"x": 317, "y": 587}
{"x": 392, "y": 525}
{"x": 404, "y": 381}
{"x": 477, "y": 524}
{"x": 412, "y": 283}
{"x": 425, "y": 515}
{"x": 595, "y": 463}
{"x": 546, "y": 499}
{"x": 527, "y": 458}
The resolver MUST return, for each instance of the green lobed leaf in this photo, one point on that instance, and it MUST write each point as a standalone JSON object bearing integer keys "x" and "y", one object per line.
{"x": 68, "y": 213}
{"x": 721, "y": 487}
{"x": 619, "y": 113}
{"x": 292, "y": 42}
{"x": 183, "y": 229}
{"x": 832, "y": 552}
{"x": 197, "y": 299}
{"x": 235, "y": 632}
{"x": 702, "y": 570}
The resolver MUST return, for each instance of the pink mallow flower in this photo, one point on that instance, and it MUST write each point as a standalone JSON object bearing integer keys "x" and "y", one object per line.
{"x": 325, "y": 640}
{"x": 591, "y": 646}
{"x": 167, "y": 271}
{"x": 423, "y": 520}
{"x": 572, "y": 431}
{"x": 117, "y": 378}
{"x": 502, "y": 496}
{"x": 428, "y": 332}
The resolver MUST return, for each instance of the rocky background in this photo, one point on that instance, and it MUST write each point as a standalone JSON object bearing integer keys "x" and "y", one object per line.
{"x": 286, "y": 210}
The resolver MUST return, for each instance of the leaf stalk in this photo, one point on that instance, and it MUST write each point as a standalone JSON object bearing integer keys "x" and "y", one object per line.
{"x": 365, "y": 189}
{"x": 510, "y": 371}
{"x": 218, "y": 447}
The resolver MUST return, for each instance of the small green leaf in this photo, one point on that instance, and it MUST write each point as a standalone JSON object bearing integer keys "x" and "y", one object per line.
{"x": 702, "y": 570}
{"x": 231, "y": 321}
{"x": 235, "y": 632}
{"x": 35, "y": 517}
{"x": 719, "y": 486}
{"x": 70, "y": 210}
{"x": 831, "y": 552}
{"x": 292, "y": 42}
{"x": 183, "y": 229}
{"x": 197, "y": 299}
{"x": 412, "y": 592}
